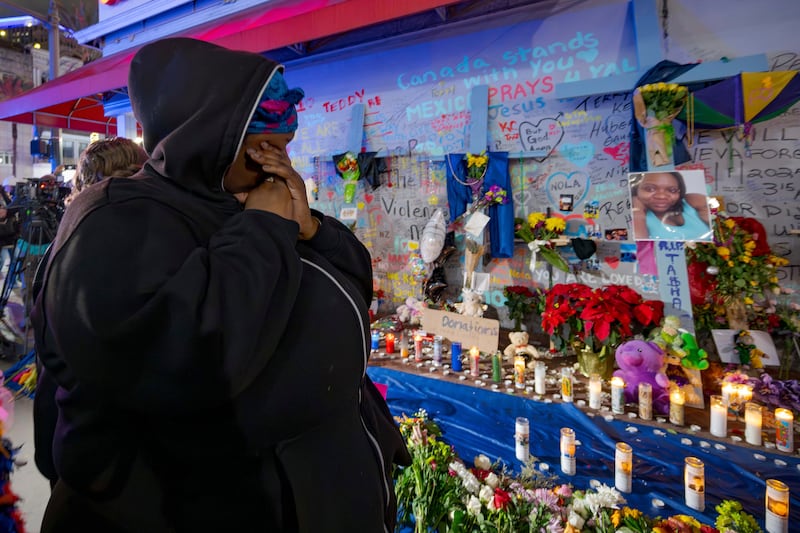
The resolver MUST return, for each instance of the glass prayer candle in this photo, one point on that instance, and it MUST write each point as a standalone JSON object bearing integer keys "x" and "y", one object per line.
{"x": 474, "y": 361}
{"x": 522, "y": 432}
{"x": 437, "y": 350}
{"x": 617, "y": 395}
{"x": 455, "y": 356}
{"x": 566, "y": 384}
{"x": 623, "y": 467}
{"x": 567, "y": 446}
{"x": 595, "y": 391}
{"x": 519, "y": 371}
{"x": 539, "y": 375}
{"x": 677, "y": 399}
{"x": 390, "y": 343}
{"x": 784, "y": 429}
{"x": 403, "y": 345}
{"x": 728, "y": 392}
{"x": 719, "y": 416}
{"x": 694, "y": 481}
{"x": 752, "y": 423}
{"x": 497, "y": 367}
{"x": 777, "y": 507}
{"x": 417, "y": 347}
{"x": 645, "y": 401}
{"x": 376, "y": 341}
{"x": 744, "y": 393}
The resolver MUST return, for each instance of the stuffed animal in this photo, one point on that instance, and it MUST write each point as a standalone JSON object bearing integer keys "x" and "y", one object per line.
{"x": 642, "y": 362}
{"x": 410, "y": 312}
{"x": 472, "y": 304}
{"x": 519, "y": 345}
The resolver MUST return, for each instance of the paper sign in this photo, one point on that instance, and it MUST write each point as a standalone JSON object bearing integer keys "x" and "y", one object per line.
{"x": 469, "y": 330}
{"x": 476, "y": 223}
{"x": 724, "y": 340}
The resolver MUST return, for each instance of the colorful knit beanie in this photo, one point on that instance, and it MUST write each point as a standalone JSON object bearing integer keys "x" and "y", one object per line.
{"x": 276, "y": 112}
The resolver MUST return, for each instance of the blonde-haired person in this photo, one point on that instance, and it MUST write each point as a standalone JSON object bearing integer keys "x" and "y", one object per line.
{"x": 118, "y": 157}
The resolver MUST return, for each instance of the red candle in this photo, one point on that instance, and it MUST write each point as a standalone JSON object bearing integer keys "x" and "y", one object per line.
{"x": 418, "y": 348}
{"x": 390, "y": 343}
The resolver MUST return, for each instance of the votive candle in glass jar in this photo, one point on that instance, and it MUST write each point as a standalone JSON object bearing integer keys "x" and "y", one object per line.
{"x": 375, "y": 337}
{"x": 404, "y": 345}
{"x": 566, "y": 385}
{"x": 522, "y": 433}
{"x": 645, "y": 401}
{"x": 455, "y": 356}
{"x": 784, "y": 430}
{"x": 497, "y": 367}
{"x": 437, "y": 350}
{"x": 474, "y": 361}
{"x": 567, "y": 446}
{"x": 623, "y": 467}
{"x": 719, "y": 416}
{"x": 418, "y": 348}
{"x": 752, "y": 423}
{"x": 677, "y": 399}
{"x": 694, "y": 481}
{"x": 519, "y": 371}
{"x": 539, "y": 376}
{"x": 595, "y": 391}
{"x": 390, "y": 343}
{"x": 777, "y": 507}
{"x": 617, "y": 395}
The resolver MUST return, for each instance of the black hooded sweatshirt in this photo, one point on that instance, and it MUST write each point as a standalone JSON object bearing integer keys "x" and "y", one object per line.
{"x": 211, "y": 366}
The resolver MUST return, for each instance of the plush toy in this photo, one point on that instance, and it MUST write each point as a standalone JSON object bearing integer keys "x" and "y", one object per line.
{"x": 519, "y": 345}
{"x": 642, "y": 362}
{"x": 472, "y": 304}
{"x": 410, "y": 312}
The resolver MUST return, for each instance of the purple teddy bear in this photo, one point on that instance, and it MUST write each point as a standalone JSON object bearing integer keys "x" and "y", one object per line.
{"x": 641, "y": 362}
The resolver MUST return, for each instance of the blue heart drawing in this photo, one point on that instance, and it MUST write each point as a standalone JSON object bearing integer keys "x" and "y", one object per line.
{"x": 579, "y": 153}
{"x": 587, "y": 55}
{"x": 575, "y": 183}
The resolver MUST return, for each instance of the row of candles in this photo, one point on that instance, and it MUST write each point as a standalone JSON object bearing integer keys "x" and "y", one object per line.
{"x": 776, "y": 497}
{"x": 733, "y": 395}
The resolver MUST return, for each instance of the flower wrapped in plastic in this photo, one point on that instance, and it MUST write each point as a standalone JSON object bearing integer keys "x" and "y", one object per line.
{"x": 350, "y": 172}
{"x": 542, "y": 234}
{"x": 655, "y": 106}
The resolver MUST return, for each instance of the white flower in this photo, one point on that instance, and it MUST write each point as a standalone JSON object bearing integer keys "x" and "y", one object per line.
{"x": 474, "y": 506}
{"x": 483, "y": 462}
{"x": 609, "y": 496}
{"x": 486, "y": 494}
{"x": 575, "y": 520}
{"x": 492, "y": 480}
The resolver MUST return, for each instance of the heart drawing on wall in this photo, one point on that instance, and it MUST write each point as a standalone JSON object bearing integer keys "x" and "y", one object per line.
{"x": 575, "y": 183}
{"x": 542, "y": 137}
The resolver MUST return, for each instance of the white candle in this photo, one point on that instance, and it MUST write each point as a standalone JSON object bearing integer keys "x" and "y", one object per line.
{"x": 595, "y": 391}
{"x": 676, "y": 400}
{"x": 522, "y": 432}
{"x": 418, "y": 348}
{"x": 719, "y": 416}
{"x": 728, "y": 392}
{"x": 645, "y": 401}
{"x": 777, "y": 507}
{"x": 784, "y": 429}
{"x": 566, "y": 384}
{"x": 752, "y": 421}
{"x": 694, "y": 484}
{"x": 617, "y": 395}
{"x": 540, "y": 372}
{"x": 623, "y": 467}
{"x": 567, "y": 445}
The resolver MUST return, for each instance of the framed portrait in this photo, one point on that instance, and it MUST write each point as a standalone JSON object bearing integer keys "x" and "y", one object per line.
{"x": 670, "y": 205}
{"x": 565, "y": 202}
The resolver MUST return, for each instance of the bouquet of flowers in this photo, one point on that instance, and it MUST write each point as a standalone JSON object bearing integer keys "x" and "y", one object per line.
{"x": 733, "y": 275}
{"x": 519, "y": 300}
{"x": 599, "y": 318}
{"x": 495, "y": 195}
{"x": 539, "y": 230}
{"x": 350, "y": 172}
{"x": 655, "y": 106}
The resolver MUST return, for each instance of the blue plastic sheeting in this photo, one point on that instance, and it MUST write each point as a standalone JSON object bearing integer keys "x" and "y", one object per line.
{"x": 477, "y": 421}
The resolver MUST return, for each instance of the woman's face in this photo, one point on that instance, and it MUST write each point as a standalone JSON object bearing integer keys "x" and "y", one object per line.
{"x": 245, "y": 174}
{"x": 659, "y": 192}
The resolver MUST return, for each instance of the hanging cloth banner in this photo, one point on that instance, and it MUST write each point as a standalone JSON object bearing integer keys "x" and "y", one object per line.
{"x": 460, "y": 194}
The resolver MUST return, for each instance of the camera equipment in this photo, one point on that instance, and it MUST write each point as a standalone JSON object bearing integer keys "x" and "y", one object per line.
{"x": 38, "y": 206}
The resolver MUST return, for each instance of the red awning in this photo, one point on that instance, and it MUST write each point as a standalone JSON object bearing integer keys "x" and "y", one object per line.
{"x": 74, "y": 100}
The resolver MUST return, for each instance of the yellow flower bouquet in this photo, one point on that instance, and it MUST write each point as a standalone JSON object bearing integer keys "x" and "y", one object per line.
{"x": 539, "y": 231}
{"x": 655, "y": 106}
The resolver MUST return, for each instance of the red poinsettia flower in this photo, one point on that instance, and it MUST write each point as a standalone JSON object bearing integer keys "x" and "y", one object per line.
{"x": 757, "y": 232}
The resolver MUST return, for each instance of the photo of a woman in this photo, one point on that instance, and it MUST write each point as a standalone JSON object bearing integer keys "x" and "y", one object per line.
{"x": 664, "y": 208}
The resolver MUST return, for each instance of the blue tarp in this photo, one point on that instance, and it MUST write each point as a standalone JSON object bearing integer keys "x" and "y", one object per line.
{"x": 476, "y": 420}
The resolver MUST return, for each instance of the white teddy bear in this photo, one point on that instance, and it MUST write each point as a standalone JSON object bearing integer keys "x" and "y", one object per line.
{"x": 519, "y": 345}
{"x": 472, "y": 303}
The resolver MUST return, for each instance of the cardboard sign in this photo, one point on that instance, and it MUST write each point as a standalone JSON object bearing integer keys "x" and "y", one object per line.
{"x": 468, "y": 330}
{"x": 724, "y": 339}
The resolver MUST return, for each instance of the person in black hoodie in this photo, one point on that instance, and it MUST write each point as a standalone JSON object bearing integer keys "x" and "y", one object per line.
{"x": 208, "y": 331}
